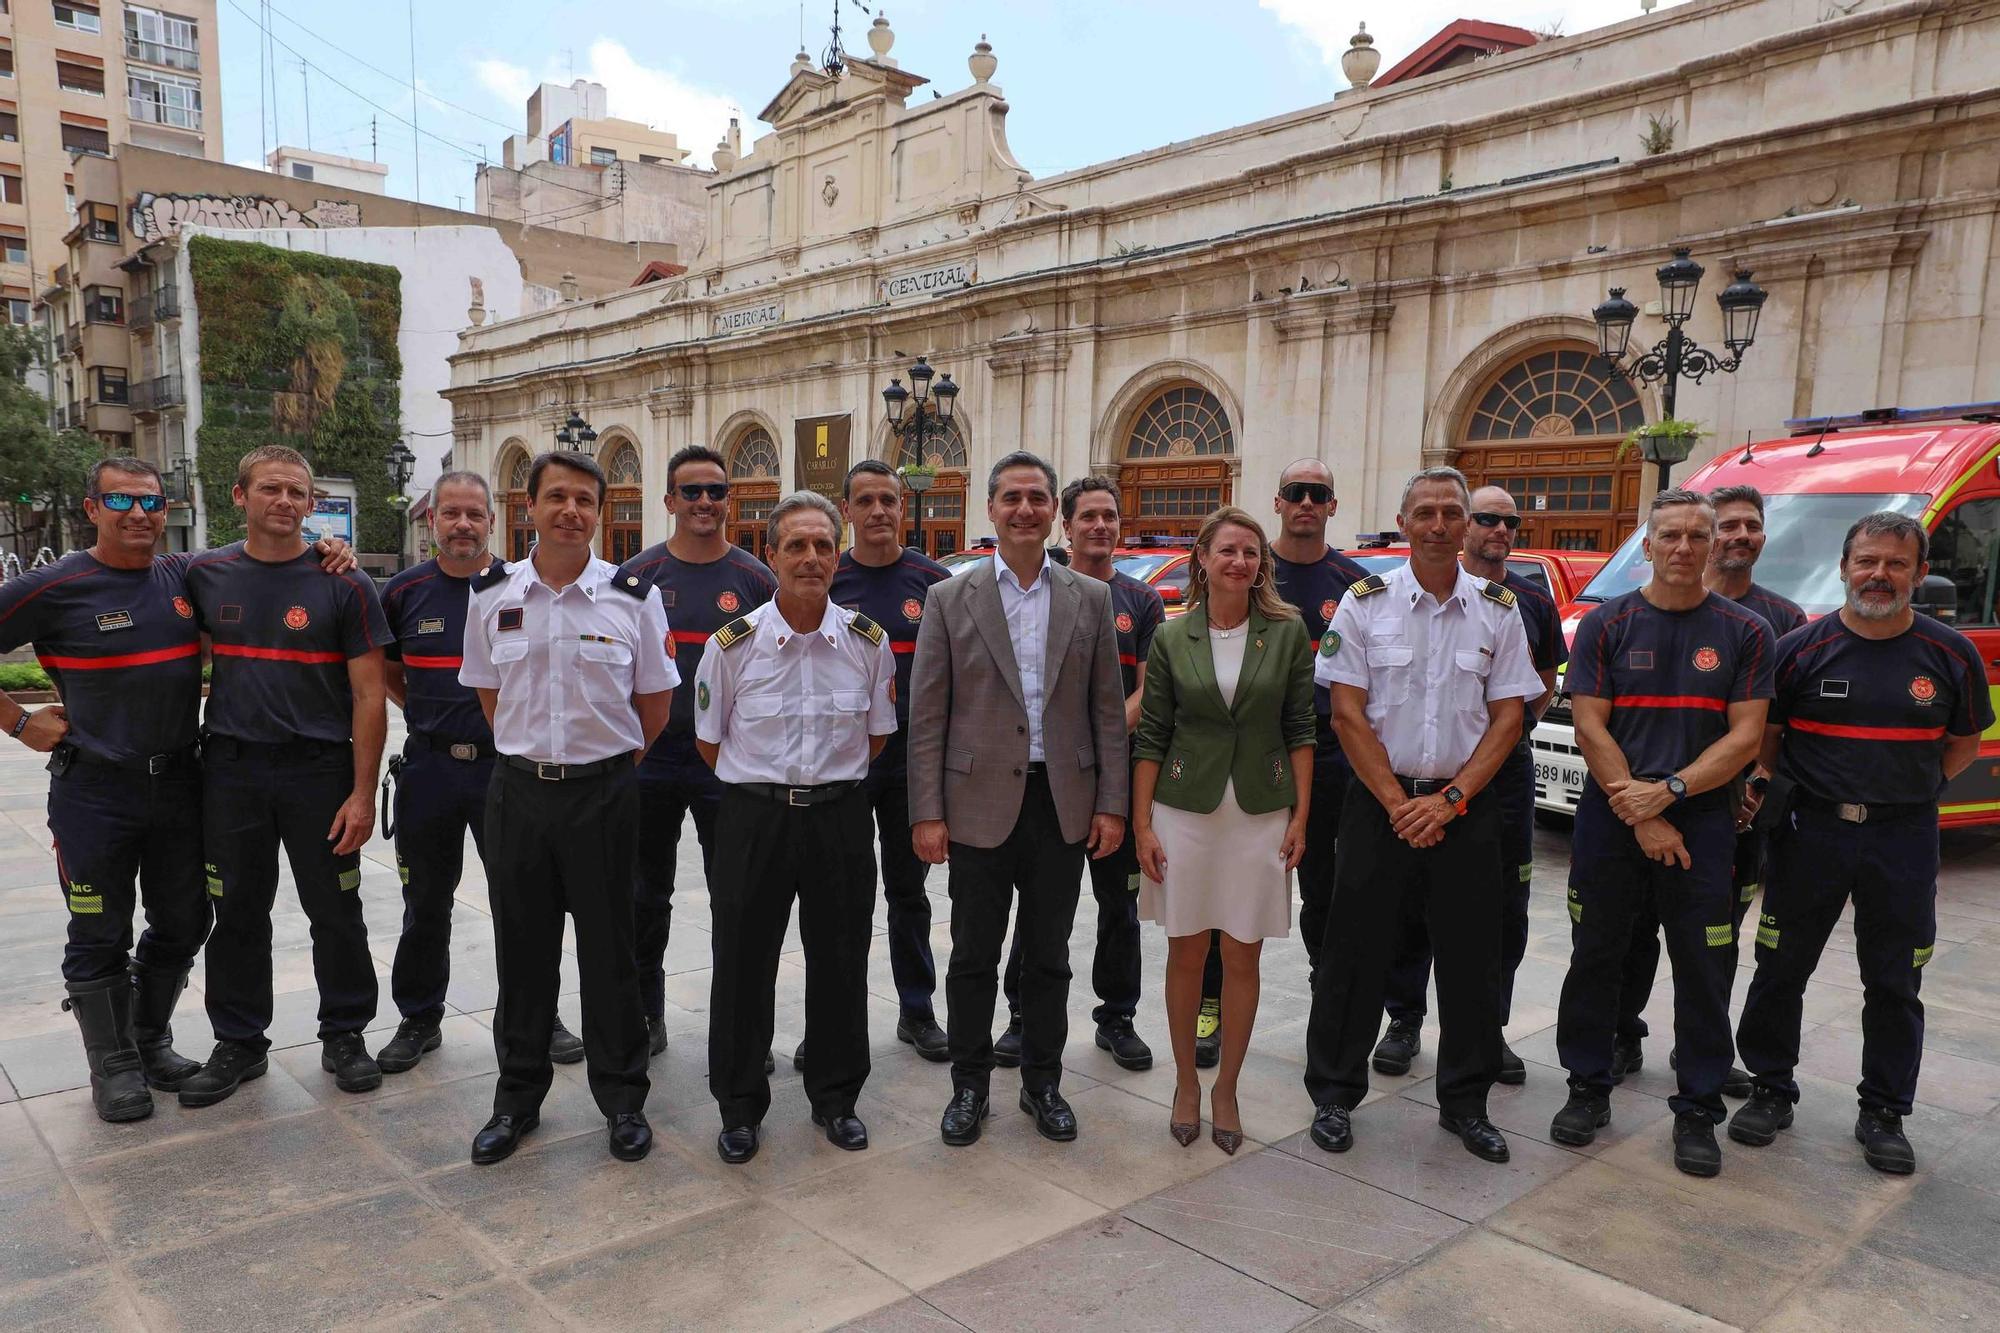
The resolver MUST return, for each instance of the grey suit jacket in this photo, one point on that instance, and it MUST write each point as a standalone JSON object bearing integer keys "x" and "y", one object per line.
{"x": 968, "y": 737}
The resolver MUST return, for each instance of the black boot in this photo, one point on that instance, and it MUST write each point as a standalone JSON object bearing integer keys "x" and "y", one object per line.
{"x": 155, "y": 992}
{"x": 103, "y": 1010}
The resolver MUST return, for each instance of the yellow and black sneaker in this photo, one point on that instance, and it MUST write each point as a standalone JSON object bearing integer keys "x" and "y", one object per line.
{"x": 1208, "y": 1034}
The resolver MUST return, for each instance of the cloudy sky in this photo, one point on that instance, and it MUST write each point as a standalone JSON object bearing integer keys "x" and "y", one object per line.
{"x": 1086, "y": 81}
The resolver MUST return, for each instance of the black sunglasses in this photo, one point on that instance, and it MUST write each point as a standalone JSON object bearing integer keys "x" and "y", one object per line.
{"x": 1485, "y": 520}
{"x": 1298, "y": 492}
{"x": 119, "y": 502}
{"x": 714, "y": 490}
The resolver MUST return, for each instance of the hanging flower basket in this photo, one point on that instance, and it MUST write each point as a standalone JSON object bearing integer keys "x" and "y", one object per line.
{"x": 1669, "y": 441}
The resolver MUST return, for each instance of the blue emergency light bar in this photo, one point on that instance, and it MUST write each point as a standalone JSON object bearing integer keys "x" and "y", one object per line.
{"x": 1894, "y": 416}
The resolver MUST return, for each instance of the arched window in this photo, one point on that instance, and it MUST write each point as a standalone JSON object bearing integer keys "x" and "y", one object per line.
{"x": 943, "y": 448}
{"x": 755, "y": 457}
{"x": 1186, "y": 421}
{"x": 624, "y": 504}
{"x": 943, "y": 445}
{"x": 624, "y": 467}
{"x": 1176, "y": 471}
{"x": 1553, "y": 394}
{"x": 518, "y": 537}
{"x": 754, "y": 477}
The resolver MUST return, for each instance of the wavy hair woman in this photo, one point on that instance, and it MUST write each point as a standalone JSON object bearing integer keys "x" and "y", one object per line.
{"x": 1224, "y": 757}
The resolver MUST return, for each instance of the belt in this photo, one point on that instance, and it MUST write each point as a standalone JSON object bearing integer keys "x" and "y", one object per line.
{"x": 1036, "y": 769}
{"x": 819, "y": 795}
{"x": 153, "y": 765}
{"x": 465, "y": 751}
{"x": 1855, "y": 813}
{"x": 230, "y": 747}
{"x": 1422, "y": 786}
{"x": 548, "y": 772}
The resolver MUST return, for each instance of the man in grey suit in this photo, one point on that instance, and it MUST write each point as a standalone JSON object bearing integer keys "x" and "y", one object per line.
{"x": 1017, "y": 765}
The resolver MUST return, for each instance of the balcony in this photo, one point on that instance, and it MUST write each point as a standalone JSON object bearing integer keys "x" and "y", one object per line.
{"x": 139, "y": 313}
{"x": 72, "y": 340}
{"x": 144, "y": 110}
{"x": 158, "y": 53}
{"x": 69, "y": 417}
{"x": 156, "y": 394}
{"x": 166, "y": 303}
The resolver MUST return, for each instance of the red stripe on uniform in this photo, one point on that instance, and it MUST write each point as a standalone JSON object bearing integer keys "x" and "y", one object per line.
{"x": 1128, "y": 659}
{"x": 1867, "y": 733}
{"x": 278, "y": 654}
{"x": 1668, "y": 701}
{"x": 687, "y": 636}
{"x": 898, "y": 647}
{"x": 121, "y": 659}
{"x": 435, "y": 663}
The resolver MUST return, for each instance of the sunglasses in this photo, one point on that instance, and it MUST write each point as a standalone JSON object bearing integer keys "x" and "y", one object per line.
{"x": 1299, "y": 492}
{"x": 1484, "y": 520}
{"x": 714, "y": 490}
{"x": 119, "y": 502}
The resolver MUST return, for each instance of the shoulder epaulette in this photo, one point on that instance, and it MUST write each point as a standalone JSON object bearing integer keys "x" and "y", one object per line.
{"x": 734, "y": 632}
{"x": 630, "y": 584}
{"x": 866, "y": 628}
{"x": 492, "y": 574}
{"x": 1370, "y": 585}
{"x": 1496, "y": 591}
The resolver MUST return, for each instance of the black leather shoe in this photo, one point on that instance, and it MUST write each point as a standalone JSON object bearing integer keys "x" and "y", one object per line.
{"x": 1399, "y": 1046}
{"x": 1053, "y": 1118}
{"x": 1127, "y": 1049}
{"x": 1627, "y": 1057}
{"x": 1513, "y": 1069}
{"x": 960, "y": 1124}
{"x": 798, "y": 1056}
{"x": 500, "y": 1136}
{"x": 1581, "y": 1117}
{"x": 656, "y": 1037}
{"x": 770, "y": 1063}
{"x": 566, "y": 1048}
{"x": 1696, "y": 1152}
{"x": 926, "y": 1036}
{"x": 346, "y": 1058}
{"x": 1880, "y": 1134}
{"x": 1208, "y": 1035}
{"x": 737, "y": 1146}
{"x": 1737, "y": 1083}
{"x": 231, "y": 1063}
{"x": 1758, "y": 1120}
{"x": 1332, "y": 1129}
{"x": 631, "y": 1137}
{"x": 843, "y": 1131}
{"x": 1007, "y": 1046}
{"x": 405, "y": 1051}
{"x": 1478, "y": 1135}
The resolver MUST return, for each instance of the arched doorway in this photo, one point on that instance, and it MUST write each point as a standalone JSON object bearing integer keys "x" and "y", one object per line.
{"x": 1547, "y": 427}
{"x": 943, "y": 448}
{"x": 517, "y": 533}
{"x": 624, "y": 503}
{"x": 1176, "y": 456}
{"x": 753, "y": 487}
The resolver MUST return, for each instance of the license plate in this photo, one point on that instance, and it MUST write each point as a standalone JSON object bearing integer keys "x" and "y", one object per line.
{"x": 1559, "y": 775}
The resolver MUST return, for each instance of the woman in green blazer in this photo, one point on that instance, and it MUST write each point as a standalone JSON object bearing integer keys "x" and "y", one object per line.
{"x": 1224, "y": 757}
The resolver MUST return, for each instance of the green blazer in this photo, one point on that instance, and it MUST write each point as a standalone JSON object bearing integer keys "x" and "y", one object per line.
{"x": 1201, "y": 744}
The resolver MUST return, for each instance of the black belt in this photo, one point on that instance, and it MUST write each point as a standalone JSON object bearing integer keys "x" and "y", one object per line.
{"x": 1038, "y": 769}
{"x": 1421, "y": 786}
{"x": 819, "y": 795}
{"x": 231, "y": 747}
{"x": 1855, "y": 813}
{"x": 153, "y": 765}
{"x": 548, "y": 772}
{"x": 465, "y": 751}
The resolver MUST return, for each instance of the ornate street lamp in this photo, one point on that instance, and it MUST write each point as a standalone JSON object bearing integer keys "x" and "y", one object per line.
{"x": 576, "y": 434}
{"x": 402, "y": 462}
{"x": 913, "y": 418}
{"x": 1677, "y": 354}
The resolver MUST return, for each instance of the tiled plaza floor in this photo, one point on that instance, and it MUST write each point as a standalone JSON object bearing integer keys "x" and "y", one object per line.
{"x": 295, "y": 1206}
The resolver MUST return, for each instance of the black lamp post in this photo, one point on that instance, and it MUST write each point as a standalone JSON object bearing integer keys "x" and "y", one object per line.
{"x": 913, "y": 418}
{"x": 1677, "y": 354}
{"x": 576, "y": 434}
{"x": 401, "y": 463}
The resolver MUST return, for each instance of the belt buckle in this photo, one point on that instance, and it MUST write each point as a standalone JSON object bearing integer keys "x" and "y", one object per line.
{"x": 157, "y": 764}
{"x": 548, "y": 772}
{"x": 1853, "y": 814}
{"x": 792, "y": 795}
{"x": 466, "y": 752}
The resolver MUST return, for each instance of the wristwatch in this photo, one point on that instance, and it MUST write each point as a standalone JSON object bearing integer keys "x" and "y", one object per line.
{"x": 1454, "y": 798}
{"x": 20, "y": 725}
{"x": 1760, "y": 785}
{"x": 1675, "y": 787}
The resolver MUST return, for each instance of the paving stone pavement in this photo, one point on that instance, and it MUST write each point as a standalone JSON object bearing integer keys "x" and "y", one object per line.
{"x": 293, "y": 1205}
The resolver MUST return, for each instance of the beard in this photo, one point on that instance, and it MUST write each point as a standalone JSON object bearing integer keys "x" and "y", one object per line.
{"x": 1895, "y": 606}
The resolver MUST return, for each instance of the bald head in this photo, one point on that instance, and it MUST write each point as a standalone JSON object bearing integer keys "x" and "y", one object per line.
{"x": 1487, "y": 548}
{"x": 1306, "y": 469}
{"x": 1304, "y": 505}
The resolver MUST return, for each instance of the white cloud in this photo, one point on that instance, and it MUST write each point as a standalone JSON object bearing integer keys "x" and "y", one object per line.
{"x": 510, "y": 83}
{"x": 650, "y": 95}
{"x": 1401, "y": 29}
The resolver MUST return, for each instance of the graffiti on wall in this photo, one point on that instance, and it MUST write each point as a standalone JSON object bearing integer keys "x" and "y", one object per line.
{"x": 157, "y": 215}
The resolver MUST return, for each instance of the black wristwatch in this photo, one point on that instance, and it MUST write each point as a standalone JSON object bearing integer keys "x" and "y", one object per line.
{"x": 1760, "y": 785}
{"x": 1454, "y": 798}
{"x": 1676, "y": 788}
{"x": 20, "y": 725}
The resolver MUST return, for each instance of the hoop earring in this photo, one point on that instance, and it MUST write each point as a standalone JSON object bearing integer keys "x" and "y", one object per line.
{"x": 1201, "y": 574}
{"x": 1259, "y": 583}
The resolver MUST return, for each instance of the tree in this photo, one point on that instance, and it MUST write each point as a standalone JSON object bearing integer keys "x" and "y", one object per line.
{"x": 39, "y": 467}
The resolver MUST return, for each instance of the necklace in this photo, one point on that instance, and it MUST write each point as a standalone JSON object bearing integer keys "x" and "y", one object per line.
{"x": 1228, "y": 631}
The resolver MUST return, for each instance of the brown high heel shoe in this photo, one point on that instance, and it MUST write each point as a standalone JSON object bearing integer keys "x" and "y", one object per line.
{"x": 1186, "y": 1132}
{"x": 1229, "y": 1140}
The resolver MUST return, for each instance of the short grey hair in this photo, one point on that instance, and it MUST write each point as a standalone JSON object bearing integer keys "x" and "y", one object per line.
{"x": 1430, "y": 474}
{"x": 795, "y": 502}
{"x": 1887, "y": 523}
{"x": 463, "y": 478}
{"x": 1674, "y": 498}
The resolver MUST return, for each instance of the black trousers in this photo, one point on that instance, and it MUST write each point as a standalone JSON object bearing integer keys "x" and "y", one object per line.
{"x": 903, "y": 878}
{"x": 1889, "y": 868}
{"x": 556, "y": 848}
{"x": 769, "y": 854}
{"x": 1379, "y": 873}
{"x": 1114, "y": 965}
{"x": 256, "y": 798}
{"x": 118, "y": 833}
{"x": 1318, "y": 868}
{"x": 1611, "y": 885}
{"x": 437, "y": 799}
{"x": 665, "y": 801}
{"x": 1642, "y": 960}
{"x": 1035, "y": 862}
{"x": 1410, "y": 971}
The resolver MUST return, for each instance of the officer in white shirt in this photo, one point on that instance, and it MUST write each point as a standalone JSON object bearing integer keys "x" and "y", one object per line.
{"x": 792, "y": 702}
{"x": 571, "y": 667}
{"x": 1429, "y": 670}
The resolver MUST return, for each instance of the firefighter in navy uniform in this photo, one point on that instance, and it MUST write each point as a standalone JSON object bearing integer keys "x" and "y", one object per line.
{"x": 1877, "y": 708}
{"x": 705, "y": 582}
{"x": 294, "y": 730}
{"x": 888, "y": 582}
{"x": 1669, "y": 685}
{"x": 446, "y": 765}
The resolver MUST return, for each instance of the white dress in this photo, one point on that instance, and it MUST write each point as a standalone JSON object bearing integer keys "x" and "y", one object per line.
{"x": 1224, "y": 869}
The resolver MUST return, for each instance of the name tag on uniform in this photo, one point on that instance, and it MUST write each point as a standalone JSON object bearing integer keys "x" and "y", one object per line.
{"x": 667, "y": 598}
{"x": 230, "y": 614}
{"x": 1640, "y": 660}
{"x": 112, "y": 620}
{"x": 510, "y": 618}
{"x": 431, "y": 626}
{"x": 1833, "y": 689}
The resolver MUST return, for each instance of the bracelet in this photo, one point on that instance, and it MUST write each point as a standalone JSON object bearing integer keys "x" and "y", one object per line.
{"x": 20, "y": 725}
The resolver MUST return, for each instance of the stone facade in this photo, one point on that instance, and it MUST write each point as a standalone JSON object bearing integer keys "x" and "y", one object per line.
{"x": 1400, "y": 276}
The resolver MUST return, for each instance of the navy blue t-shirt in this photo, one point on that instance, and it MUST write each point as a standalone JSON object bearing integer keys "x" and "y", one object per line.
{"x": 1670, "y": 676}
{"x": 1136, "y": 614}
{"x": 1544, "y": 626}
{"x": 892, "y": 596}
{"x": 1316, "y": 588}
{"x": 1781, "y": 613}
{"x": 120, "y": 645}
{"x": 426, "y": 610}
{"x": 699, "y": 600}
{"x": 281, "y": 634}
{"x": 1866, "y": 719}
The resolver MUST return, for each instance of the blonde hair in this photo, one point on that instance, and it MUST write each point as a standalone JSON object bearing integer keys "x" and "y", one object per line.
{"x": 1264, "y": 596}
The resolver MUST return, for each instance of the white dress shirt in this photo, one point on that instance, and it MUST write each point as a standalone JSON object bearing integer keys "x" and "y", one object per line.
{"x": 1430, "y": 667}
{"x": 1027, "y": 612}
{"x": 793, "y": 709}
{"x": 566, "y": 663}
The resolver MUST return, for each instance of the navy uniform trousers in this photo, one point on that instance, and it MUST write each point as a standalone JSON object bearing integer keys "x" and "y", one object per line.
{"x": 1888, "y": 866}
{"x": 904, "y": 874}
{"x": 666, "y": 797}
{"x": 437, "y": 799}
{"x": 1642, "y": 960}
